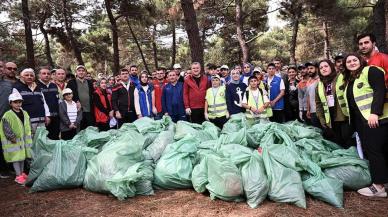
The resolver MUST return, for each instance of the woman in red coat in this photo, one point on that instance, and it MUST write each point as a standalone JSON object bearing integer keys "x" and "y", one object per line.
{"x": 102, "y": 105}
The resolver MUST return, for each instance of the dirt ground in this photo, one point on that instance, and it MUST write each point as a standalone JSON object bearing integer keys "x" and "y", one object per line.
{"x": 16, "y": 201}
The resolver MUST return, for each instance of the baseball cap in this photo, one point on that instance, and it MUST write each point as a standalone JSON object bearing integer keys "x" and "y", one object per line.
{"x": 257, "y": 69}
{"x": 310, "y": 64}
{"x": 224, "y": 67}
{"x": 216, "y": 77}
{"x": 66, "y": 91}
{"x": 301, "y": 66}
{"x": 80, "y": 66}
{"x": 339, "y": 56}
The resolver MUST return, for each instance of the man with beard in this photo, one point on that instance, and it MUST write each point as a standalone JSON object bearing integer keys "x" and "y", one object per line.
{"x": 366, "y": 46}
{"x": 194, "y": 92}
{"x": 10, "y": 72}
{"x": 311, "y": 85}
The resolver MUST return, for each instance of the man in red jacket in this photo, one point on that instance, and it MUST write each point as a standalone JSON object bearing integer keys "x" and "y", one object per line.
{"x": 194, "y": 92}
{"x": 159, "y": 83}
{"x": 366, "y": 46}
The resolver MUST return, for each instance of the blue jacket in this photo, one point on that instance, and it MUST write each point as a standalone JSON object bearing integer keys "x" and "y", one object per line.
{"x": 274, "y": 91}
{"x": 135, "y": 80}
{"x": 172, "y": 99}
{"x": 234, "y": 94}
{"x": 143, "y": 96}
{"x": 51, "y": 96}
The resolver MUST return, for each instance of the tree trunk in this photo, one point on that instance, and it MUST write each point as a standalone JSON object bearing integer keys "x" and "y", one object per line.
{"x": 28, "y": 35}
{"x": 154, "y": 47}
{"x": 137, "y": 44}
{"x": 239, "y": 30}
{"x": 295, "y": 29}
{"x": 173, "y": 43}
{"x": 47, "y": 49}
{"x": 379, "y": 25}
{"x": 115, "y": 37}
{"x": 326, "y": 37}
{"x": 386, "y": 23}
{"x": 191, "y": 26}
{"x": 68, "y": 26}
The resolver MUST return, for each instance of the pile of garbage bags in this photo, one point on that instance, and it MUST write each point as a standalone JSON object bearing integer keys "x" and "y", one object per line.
{"x": 281, "y": 162}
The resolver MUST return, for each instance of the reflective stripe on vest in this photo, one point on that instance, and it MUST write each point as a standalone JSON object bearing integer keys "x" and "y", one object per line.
{"x": 322, "y": 97}
{"x": 216, "y": 104}
{"x": 363, "y": 95}
{"x": 260, "y": 102}
{"x": 340, "y": 91}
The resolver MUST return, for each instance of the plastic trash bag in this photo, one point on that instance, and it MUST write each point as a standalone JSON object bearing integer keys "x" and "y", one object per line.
{"x": 220, "y": 177}
{"x": 204, "y": 132}
{"x": 174, "y": 168}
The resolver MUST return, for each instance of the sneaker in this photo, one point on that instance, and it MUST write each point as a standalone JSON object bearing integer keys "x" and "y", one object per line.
{"x": 3, "y": 176}
{"x": 373, "y": 191}
{"x": 24, "y": 175}
{"x": 20, "y": 180}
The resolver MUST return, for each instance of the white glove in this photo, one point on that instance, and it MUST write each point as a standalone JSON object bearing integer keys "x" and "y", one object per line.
{"x": 206, "y": 116}
{"x": 188, "y": 111}
{"x": 301, "y": 115}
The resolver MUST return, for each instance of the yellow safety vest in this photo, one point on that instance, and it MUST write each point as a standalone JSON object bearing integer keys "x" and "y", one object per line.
{"x": 363, "y": 95}
{"x": 340, "y": 92}
{"x": 260, "y": 102}
{"x": 20, "y": 150}
{"x": 216, "y": 104}
{"x": 322, "y": 97}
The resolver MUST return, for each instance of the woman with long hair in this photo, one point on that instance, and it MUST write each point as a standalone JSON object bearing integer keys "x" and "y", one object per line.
{"x": 330, "y": 111}
{"x": 367, "y": 103}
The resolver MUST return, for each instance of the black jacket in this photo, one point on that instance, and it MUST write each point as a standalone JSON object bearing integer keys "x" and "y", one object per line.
{"x": 123, "y": 100}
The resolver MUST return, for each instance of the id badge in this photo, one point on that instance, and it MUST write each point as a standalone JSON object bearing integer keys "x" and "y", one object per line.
{"x": 330, "y": 100}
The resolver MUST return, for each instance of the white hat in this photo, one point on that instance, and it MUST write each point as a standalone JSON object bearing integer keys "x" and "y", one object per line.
{"x": 216, "y": 77}
{"x": 14, "y": 97}
{"x": 80, "y": 66}
{"x": 27, "y": 70}
{"x": 224, "y": 67}
{"x": 257, "y": 69}
{"x": 66, "y": 91}
{"x": 177, "y": 66}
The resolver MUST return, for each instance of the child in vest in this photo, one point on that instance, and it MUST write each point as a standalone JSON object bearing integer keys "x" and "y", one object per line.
{"x": 70, "y": 116}
{"x": 15, "y": 133}
{"x": 256, "y": 102}
{"x": 215, "y": 104}
{"x": 144, "y": 97}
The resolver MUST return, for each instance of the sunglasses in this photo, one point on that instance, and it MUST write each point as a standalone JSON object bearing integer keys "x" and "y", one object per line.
{"x": 11, "y": 68}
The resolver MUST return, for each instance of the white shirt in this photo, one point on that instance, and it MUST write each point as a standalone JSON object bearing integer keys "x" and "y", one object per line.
{"x": 71, "y": 111}
{"x": 256, "y": 95}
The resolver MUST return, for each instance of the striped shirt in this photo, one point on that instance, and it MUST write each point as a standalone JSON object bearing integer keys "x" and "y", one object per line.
{"x": 72, "y": 111}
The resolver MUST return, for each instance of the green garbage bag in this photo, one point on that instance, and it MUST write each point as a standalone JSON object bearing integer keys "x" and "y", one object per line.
{"x": 90, "y": 137}
{"x": 175, "y": 166}
{"x": 42, "y": 149}
{"x": 317, "y": 184}
{"x": 135, "y": 180}
{"x": 114, "y": 160}
{"x": 254, "y": 177}
{"x": 204, "y": 132}
{"x": 220, "y": 177}
{"x": 66, "y": 168}
{"x": 346, "y": 165}
{"x": 155, "y": 150}
{"x": 282, "y": 163}
{"x": 234, "y": 131}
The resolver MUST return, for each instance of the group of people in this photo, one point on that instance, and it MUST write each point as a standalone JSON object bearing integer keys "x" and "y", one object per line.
{"x": 341, "y": 97}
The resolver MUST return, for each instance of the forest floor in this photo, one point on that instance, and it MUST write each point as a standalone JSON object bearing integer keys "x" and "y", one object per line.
{"x": 16, "y": 201}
